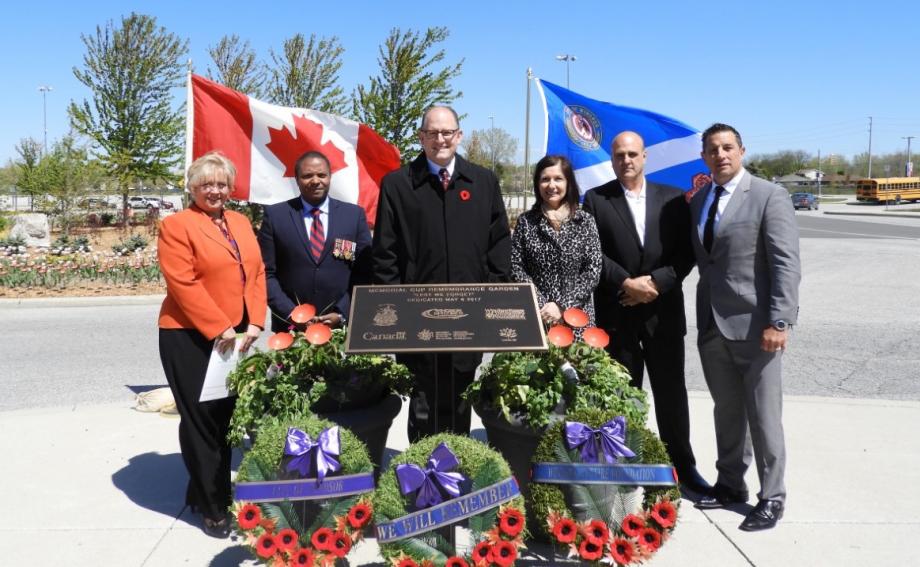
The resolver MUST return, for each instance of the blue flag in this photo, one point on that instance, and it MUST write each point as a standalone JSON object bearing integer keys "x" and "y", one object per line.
{"x": 582, "y": 129}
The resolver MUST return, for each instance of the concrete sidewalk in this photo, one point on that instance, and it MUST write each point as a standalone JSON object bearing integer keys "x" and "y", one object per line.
{"x": 104, "y": 485}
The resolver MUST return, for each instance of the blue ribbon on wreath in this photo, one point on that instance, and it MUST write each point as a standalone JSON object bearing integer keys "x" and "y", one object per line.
{"x": 435, "y": 477}
{"x": 610, "y": 438}
{"x": 326, "y": 450}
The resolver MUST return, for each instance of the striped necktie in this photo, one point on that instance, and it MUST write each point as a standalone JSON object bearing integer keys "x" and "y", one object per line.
{"x": 317, "y": 238}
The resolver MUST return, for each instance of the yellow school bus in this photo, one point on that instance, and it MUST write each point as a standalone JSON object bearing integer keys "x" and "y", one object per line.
{"x": 888, "y": 189}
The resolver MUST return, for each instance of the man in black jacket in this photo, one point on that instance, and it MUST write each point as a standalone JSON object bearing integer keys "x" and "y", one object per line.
{"x": 440, "y": 219}
{"x": 645, "y": 239}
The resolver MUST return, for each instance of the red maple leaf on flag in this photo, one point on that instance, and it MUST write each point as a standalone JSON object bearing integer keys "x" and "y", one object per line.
{"x": 307, "y": 135}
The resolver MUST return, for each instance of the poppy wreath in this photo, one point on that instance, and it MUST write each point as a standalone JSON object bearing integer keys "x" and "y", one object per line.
{"x": 499, "y": 531}
{"x": 614, "y": 525}
{"x": 302, "y": 532}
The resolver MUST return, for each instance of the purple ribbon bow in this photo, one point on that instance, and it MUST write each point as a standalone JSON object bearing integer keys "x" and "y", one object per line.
{"x": 611, "y": 437}
{"x": 432, "y": 479}
{"x": 300, "y": 446}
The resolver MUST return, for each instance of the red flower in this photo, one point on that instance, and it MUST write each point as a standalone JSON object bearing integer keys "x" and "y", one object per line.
{"x": 597, "y": 532}
{"x": 302, "y": 557}
{"x": 406, "y": 562}
{"x": 565, "y": 531}
{"x": 322, "y": 539}
{"x": 249, "y": 516}
{"x": 511, "y": 522}
{"x": 266, "y": 546}
{"x": 464, "y": 195}
{"x": 649, "y": 539}
{"x": 286, "y": 539}
{"x": 359, "y": 515}
{"x": 341, "y": 544}
{"x": 456, "y": 562}
{"x": 504, "y": 553}
{"x": 590, "y": 550}
{"x": 664, "y": 514}
{"x": 632, "y": 524}
{"x": 268, "y": 524}
{"x": 622, "y": 551}
{"x": 481, "y": 553}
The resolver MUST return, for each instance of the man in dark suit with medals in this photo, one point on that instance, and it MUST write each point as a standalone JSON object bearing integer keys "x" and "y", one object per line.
{"x": 644, "y": 229}
{"x": 440, "y": 219}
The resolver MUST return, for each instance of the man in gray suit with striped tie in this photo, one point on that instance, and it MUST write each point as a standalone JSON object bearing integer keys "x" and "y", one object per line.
{"x": 746, "y": 242}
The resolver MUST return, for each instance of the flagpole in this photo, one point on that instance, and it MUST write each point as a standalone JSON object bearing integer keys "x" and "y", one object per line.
{"x": 527, "y": 136}
{"x": 189, "y": 124}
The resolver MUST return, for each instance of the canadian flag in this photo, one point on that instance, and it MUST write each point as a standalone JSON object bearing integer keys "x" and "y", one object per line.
{"x": 264, "y": 141}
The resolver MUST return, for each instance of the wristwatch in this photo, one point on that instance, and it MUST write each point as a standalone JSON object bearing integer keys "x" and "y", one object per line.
{"x": 780, "y": 325}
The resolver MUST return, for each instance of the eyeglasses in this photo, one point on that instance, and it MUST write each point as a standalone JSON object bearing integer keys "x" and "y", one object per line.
{"x": 219, "y": 185}
{"x": 446, "y": 134}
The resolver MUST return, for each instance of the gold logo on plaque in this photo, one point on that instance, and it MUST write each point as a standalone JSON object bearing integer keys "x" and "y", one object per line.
{"x": 443, "y": 314}
{"x": 508, "y": 335}
{"x": 425, "y": 335}
{"x": 386, "y": 315}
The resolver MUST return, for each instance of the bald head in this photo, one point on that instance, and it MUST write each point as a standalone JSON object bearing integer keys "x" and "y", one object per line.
{"x": 627, "y": 154}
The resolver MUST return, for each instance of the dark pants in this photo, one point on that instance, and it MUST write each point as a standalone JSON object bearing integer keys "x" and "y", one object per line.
{"x": 436, "y": 405}
{"x": 203, "y": 426}
{"x": 663, "y": 356}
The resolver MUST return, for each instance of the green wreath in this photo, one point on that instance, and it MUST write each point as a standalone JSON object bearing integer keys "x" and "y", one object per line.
{"x": 619, "y": 524}
{"x": 301, "y": 532}
{"x": 500, "y": 531}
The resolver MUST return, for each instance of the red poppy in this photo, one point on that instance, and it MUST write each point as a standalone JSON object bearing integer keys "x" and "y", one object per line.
{"x": 359, "y": 515}
{"x": 303, "y": 313}
{"x": 302, "y": 557}
{"x": 560, "y": 335}
{"x": 511, "y": 522}
{"x": 268, "y": 524}
{"x": 249, "y": 517}
{"x": 649, "y": 539}
{"x": 341, "y": 544}
{"x": 590, "y": 550}
{"x": 565, "y": 530}
{"x": 406, "y": 562}
{"x": 456, "y": 562}
{"x": 464, "y": 195}
{"x": 318, "y": 334}
{"x": 280, "y": 341}
{"x": 322, "y": 539}
{"x": 266, "y": 546}
{"x": 575, "y": 317}
{"x": 504, "y": 553}
{"x": 597, "y": 531}
{"x": 664, "y": 514}
{"x": 596, "y": 337}
{"x": 481, "y": 553}
{"x": 622, "y": 551}
{"x": 632, "y": 524}
{"x": 286, "y": 539}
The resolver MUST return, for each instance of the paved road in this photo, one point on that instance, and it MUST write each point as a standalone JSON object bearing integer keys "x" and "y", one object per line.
{"x": 856, "y": 338}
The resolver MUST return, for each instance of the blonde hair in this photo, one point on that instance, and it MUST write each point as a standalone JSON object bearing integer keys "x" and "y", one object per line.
{"x": 208, "y": 167}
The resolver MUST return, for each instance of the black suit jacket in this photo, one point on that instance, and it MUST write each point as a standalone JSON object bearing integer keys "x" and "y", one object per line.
{"x": 667, "y": 256}
{"x": 293, "y": 276}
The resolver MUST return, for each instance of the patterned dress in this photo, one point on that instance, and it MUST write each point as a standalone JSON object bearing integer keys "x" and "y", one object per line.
{"x": 564, "y": 266}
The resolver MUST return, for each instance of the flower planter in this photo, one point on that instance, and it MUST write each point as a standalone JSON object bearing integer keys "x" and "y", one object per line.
{"x": 370, "y": 424}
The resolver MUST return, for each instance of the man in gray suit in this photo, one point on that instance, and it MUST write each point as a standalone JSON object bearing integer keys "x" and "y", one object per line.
{"x": 747, "y": 251}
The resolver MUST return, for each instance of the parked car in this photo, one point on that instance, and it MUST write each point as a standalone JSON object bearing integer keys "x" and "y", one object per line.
{"x": 804, "y": 201}
{"x": 96, "y": 203}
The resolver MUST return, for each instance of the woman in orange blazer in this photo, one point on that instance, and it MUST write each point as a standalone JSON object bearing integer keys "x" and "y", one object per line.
{"x": 215, "y": 288}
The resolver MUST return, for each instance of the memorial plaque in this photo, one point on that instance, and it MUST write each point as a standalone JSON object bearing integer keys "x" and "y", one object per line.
{"x": 444, "y": 318}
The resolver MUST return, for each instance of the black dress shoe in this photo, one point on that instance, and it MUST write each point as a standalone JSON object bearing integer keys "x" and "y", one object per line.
{"x": 763, "y": 517}
{"x": 217, "y": 528}
{"x": 721, "y": 497}
{"x": 692, "y": 480}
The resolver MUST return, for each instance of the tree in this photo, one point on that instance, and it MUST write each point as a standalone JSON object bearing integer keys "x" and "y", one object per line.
{"x": 306, "y": 73}
{"x": 68, "y": 174}
{"x": 394, "y": 101}
{"x": 28, "y": 177}
{"x": 236, "y": 66}
{"x": 131, "y": 70}
{"x": 490, "y": 147}
{"x": 780, "y": 163}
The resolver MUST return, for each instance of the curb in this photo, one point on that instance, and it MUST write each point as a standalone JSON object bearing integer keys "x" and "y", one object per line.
{"x": 892, "y": 214}
{"x": 41, "y": 302}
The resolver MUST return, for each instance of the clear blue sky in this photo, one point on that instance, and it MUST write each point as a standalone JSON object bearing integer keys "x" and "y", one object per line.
{"x": 788, "y": 75}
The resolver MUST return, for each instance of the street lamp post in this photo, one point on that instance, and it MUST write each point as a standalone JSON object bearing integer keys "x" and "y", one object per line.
{"x": 908, "y": 167}
{"x": 567, "y": 57}
{"x": 44, "y": 90}
{"x": 492, "y": 140}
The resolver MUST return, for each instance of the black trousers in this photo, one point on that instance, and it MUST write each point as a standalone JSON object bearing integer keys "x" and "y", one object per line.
{"x": 203, "y": 426}
{"x": 663, "y": 356}
{"x": 435, "y": 405}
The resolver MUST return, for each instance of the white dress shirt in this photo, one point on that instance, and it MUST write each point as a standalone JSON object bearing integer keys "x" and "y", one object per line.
{"x": 636, "y": 204}
{"x": 435, "y": 169}
{"x": 723, "y": 202}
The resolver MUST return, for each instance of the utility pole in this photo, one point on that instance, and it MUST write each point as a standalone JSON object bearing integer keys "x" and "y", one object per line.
{"x": 44, "y": 90}
{"x": 527, "y": 133}
{"x": 492, "y": 140}
{"x": 567, "y": 58}
{"x": 908, "y": 167}
{"x": 870, "y": 148}
{"x": 818, "y": 175}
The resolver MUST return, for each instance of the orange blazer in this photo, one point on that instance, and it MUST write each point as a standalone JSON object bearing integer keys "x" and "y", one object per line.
{"x": 204, "y": 290}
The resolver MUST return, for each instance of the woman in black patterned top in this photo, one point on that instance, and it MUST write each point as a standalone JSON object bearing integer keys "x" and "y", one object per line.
{"x": 555, "y": 244}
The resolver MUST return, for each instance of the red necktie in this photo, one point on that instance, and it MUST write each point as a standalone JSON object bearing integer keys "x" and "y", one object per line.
{"x": 317, "y": 239}
{"x": 444, "y": 176}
